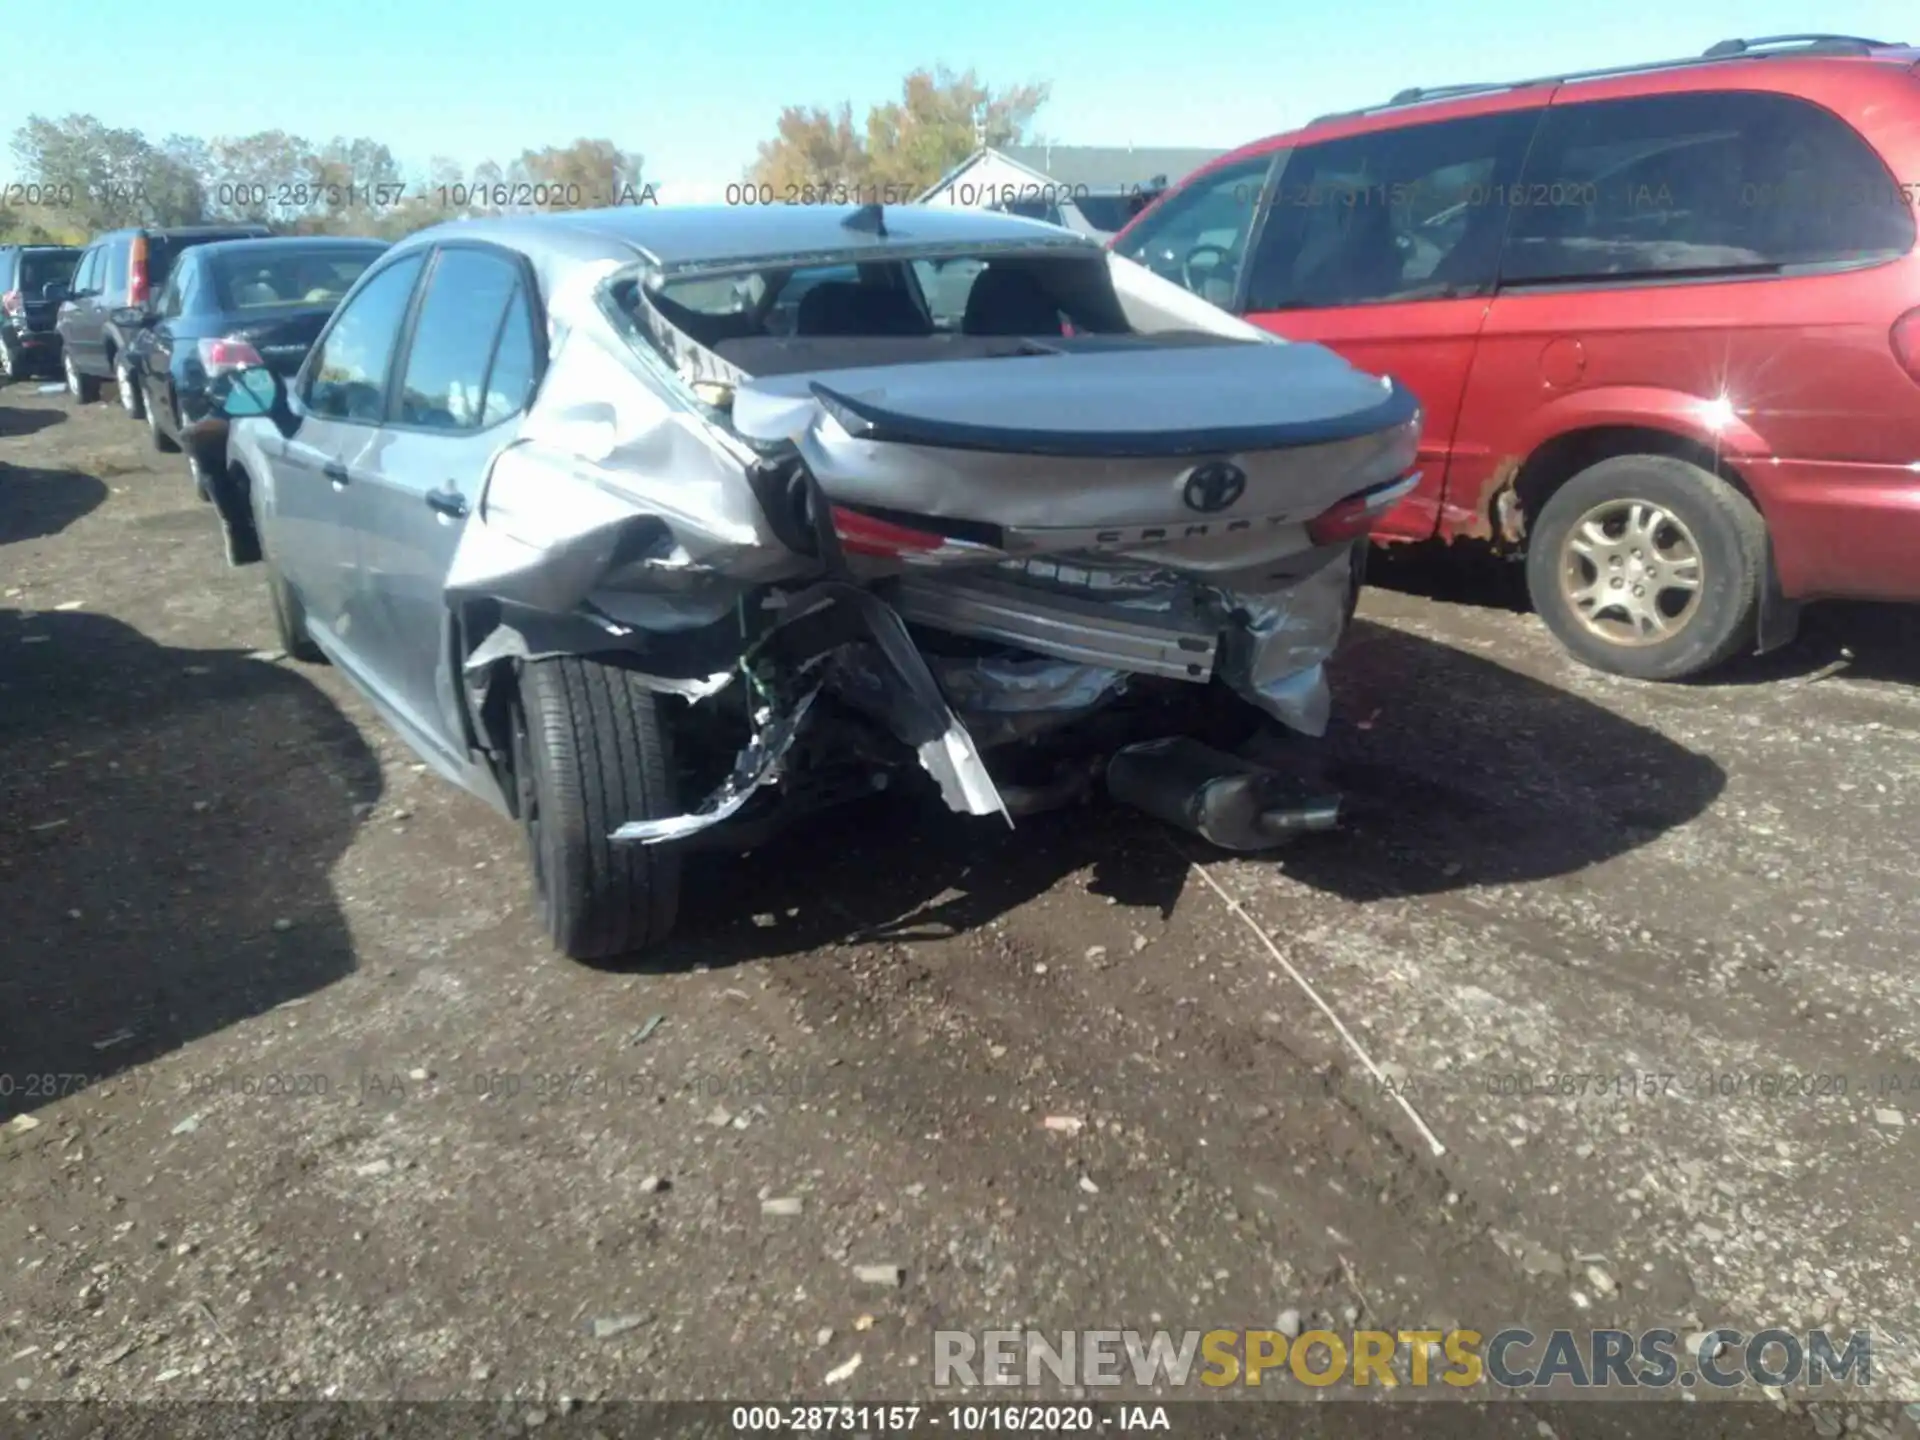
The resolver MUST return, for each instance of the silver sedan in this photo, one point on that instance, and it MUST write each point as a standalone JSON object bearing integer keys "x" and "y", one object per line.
{"x": 655, "y": 527}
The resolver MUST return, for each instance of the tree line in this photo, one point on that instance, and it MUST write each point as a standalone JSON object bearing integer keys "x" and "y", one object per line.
{"x": 77, "y": 175}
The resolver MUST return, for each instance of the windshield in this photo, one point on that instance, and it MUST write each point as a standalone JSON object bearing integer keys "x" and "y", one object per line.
{"x": 254, "y": 279}
{"x": 40, "y": 268}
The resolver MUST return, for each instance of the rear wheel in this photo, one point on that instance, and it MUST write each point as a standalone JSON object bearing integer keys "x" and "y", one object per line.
{"x": 591, "y": 751}
{"x": 1648, "y": 566}
{"x": 127, "y": 389}
{"x": 83, "y": 388}
{"x": 290, "y": 618}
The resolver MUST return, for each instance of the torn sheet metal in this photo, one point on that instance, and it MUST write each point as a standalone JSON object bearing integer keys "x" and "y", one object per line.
{"x": 1277, "y": 648}
{"x": 506, "y": 642}
{"x": 758, "y": 766}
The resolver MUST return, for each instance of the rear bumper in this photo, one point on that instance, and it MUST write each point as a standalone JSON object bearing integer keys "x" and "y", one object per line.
{"x": 1842, "y": 531}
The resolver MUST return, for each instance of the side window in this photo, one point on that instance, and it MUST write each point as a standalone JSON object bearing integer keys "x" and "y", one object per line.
{"x": 174, "y": 298}
{"x": 1408, "y": 214}
{"x": 446, "y": 369}
{"x": 86, "y": 275}
{"x": 1197, "y": 236}
{"x": 115, "y": 278}
{"x": 1694, "y": 185}
{"x": 510, "y": 381}
{"x": 347, "y": 373}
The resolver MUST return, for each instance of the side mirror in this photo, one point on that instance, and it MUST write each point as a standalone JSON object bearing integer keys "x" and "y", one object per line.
{"x": 130, "y": 317}
{"x": 254, "y": 390}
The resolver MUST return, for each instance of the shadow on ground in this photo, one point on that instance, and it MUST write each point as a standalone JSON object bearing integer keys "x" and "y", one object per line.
{"x": 37, "y": 503}
{"x": 166, "y": 808}
{"x": 1866, "y": 642}
{"x": 16, "y": 422}
{"x": 1457, "y": 772}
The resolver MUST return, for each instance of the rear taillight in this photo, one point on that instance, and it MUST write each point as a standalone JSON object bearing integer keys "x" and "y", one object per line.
{"x": 137, "y": 271}
{"x": 12, "y": 303}
{"x": 228, "y": 354}
{"x": 1354, "y": 516}
{"x": 1906, "y": 342}
{"x": 864, "y": 535}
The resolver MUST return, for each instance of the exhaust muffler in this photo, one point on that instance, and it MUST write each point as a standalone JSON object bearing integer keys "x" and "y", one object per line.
{"x": 1229, "y": 802}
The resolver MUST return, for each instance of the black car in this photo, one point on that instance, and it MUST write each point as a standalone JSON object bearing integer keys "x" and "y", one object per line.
{"x": 226, "y": 306}
{"x": 32, "y": 280}
{"x": 122, "y": 269}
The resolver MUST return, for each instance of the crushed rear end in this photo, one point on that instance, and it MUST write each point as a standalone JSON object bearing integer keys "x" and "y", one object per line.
{"x": 999, "y": 559}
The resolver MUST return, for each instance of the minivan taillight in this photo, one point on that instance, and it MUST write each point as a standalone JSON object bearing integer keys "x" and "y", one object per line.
{"x": 229, "y": 354}
{"x": 137, "y": 271}
{"x": 12, "y": 303}
{"x": 1906, "y": 342}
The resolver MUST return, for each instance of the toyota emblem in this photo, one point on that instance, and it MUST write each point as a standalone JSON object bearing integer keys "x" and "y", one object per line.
{"x": 1215, "y": 486}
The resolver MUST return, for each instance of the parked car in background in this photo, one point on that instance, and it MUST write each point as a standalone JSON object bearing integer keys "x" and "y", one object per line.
{"x": 1101, "y": 213}
{"x": 647, "y": 568}
{"x": 118, "y": 270}
{"x": 225, "y": 306}
{"x": 1664, "y": 322}
{"x": 32, "y": 278}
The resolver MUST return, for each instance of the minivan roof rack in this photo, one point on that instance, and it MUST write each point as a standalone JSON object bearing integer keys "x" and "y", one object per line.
{"x": 1758, "y": 49}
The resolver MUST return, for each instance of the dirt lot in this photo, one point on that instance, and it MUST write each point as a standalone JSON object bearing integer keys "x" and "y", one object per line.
{"x": 318, "y": 1114}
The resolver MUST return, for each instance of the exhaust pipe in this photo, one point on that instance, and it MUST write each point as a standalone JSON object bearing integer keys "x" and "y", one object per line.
{"x": 1226, "y": 801}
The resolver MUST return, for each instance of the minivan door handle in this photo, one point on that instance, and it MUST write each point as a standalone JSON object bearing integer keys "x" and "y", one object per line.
{"x": 336, "y": 472}
{"x": 448, "y": 502}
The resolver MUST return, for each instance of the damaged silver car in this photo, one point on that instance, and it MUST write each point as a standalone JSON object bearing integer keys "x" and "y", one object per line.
{"x": 660, "y": 527}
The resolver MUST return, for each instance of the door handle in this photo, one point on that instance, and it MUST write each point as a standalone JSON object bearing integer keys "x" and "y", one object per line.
{"x": 450, "y": 503}
{"x": 335, "y": 471}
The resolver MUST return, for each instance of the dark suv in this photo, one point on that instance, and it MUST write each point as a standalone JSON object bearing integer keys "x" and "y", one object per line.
{"x": 1663, "y": 321}
{"x": 120, "y": 270}
{"x": 32, "y": 280}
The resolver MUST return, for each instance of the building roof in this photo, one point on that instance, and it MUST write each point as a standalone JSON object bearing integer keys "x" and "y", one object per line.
{"x": 1108, "y": 167}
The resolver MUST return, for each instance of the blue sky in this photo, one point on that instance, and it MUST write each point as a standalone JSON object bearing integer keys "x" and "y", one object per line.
{"x": 695, "y": 87}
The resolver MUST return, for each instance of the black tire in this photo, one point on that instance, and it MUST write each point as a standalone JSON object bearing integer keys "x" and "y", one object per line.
{"x": 1730, "y": 539}
{"x": 11, "y": 367}
{"x": 127, "y": 390}
{"x": 591, "y": 751}
{"x": 290, "y": 619}
{"x": 162, "y": 442}
{"x": 84, "y": 388}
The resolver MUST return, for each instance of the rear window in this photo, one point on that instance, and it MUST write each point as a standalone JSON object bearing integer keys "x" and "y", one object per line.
{"x": 40, "y": 268}
{"x": 162, "y": 250}
{"x": 1692, "y": 184}
{"x": 248, "y": 280}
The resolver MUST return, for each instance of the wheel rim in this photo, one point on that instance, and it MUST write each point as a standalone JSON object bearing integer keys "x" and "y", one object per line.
{"x": 1632, "y": 573}
{"x": 123, "y": 380}
{"x": 6, "y": 361}
{"x": 73, "y": 375}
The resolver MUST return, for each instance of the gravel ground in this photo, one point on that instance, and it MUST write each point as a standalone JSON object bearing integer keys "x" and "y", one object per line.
{"x": 300, "y": 1105}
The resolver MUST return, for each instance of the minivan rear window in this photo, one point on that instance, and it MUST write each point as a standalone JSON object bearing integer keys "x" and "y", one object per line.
{"x": 1691, "y": 185}
{"x": 40, "y": 268}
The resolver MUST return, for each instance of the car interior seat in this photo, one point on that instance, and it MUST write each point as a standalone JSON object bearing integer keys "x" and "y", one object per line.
{"x": 1009, "y": 300}
{"x": 844, "y": 307}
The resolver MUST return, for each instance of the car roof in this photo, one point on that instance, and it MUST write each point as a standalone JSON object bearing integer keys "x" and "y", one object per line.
{"x": 273, "y": 244}
{"x": 1781, "y": 62}
{"x": 185, "y": 232}
{"x": 675, "y": 236}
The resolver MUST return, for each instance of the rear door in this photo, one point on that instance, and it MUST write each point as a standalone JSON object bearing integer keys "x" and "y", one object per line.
{"x": 339, "y": 400}
{"x": 465, "y": 374}
{"x": 1385, "y": 247}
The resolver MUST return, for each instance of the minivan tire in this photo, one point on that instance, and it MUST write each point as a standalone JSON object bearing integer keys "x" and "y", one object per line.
{"x": 290, "y": 618}
{"x": 84, "y": 388}
{"x": 162, "y": 442}
{"x": 127, "y": 391}
{"x": 590, "y": 752}
{"x": 1727, "y": 533}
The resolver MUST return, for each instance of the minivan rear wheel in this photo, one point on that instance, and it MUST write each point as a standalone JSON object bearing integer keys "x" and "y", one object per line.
{"x": 1648, "y": 566}
{"x": 592, "y": 751}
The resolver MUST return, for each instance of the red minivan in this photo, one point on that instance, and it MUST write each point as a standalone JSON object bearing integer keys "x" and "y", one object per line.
{"x": 1664, "y": 322}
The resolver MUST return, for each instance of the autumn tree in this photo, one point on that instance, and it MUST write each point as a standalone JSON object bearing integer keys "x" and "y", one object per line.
{"x": 106, "y": 176}
{"x": 586, "y": 175}
{"x": 907, "y": 144}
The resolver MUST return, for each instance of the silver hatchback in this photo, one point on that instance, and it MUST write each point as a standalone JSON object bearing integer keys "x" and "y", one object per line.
{"x": 655, "y": 527}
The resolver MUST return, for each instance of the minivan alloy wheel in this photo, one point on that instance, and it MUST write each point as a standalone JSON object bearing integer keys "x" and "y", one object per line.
{"x": 1632, "y": 572}
{"x": 129, "y": 394}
